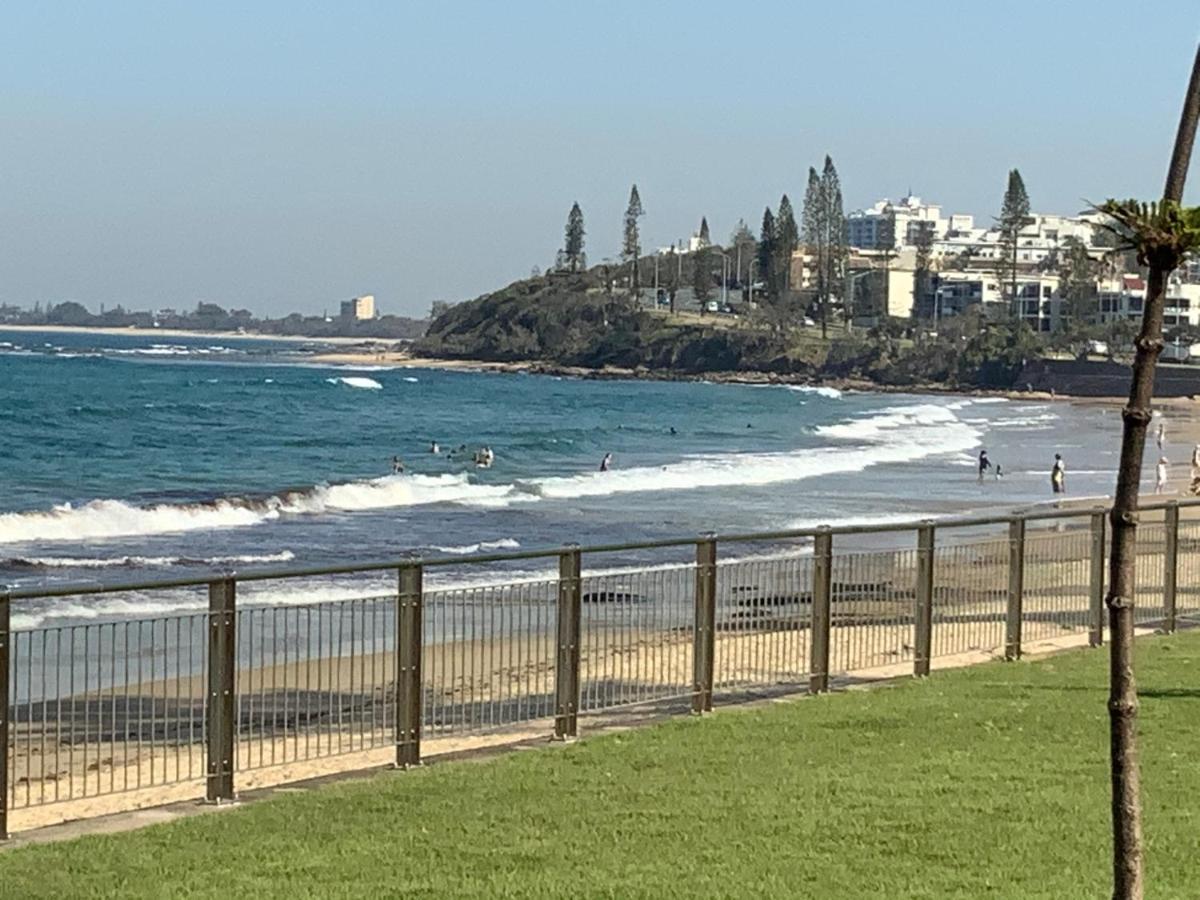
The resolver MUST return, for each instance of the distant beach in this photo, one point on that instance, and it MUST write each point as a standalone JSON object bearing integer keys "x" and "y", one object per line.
{"x": 184, "y": 333}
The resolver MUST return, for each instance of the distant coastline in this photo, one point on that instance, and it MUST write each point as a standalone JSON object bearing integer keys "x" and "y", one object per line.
{"x": 189, "y": 333}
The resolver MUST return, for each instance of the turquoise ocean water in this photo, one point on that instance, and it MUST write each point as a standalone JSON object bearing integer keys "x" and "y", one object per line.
{"x": 133, "y": 455}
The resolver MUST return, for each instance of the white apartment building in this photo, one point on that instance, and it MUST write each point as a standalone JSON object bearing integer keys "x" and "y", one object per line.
{"x": 865, "y": 227}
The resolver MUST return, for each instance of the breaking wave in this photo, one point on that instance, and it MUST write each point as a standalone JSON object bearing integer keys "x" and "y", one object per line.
{"x": 113, "y": 562}
{"x": 356, "y": 381}
{"x": 897, "y": 435}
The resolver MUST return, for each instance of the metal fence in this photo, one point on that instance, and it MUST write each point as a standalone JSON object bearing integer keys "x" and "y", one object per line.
{"x": 198, "y": 698}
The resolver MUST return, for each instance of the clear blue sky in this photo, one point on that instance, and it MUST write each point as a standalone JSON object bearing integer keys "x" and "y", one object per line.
{"x": 284, "y": 156}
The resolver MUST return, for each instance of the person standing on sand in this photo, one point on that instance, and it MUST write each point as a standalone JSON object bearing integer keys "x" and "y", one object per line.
{"x": 1160, "y": 476}
{"x": 1058, "y": 475}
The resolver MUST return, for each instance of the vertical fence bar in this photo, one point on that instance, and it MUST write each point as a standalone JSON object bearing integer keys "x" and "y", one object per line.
{"x": 5, "y": 639}
{"x": 1096, "y": 582}
{"x": 1170, "y": 563}
{"x": 923, "y": 617}
{"x": 409, "y": 602}
{"x": 1016, "y": 588}
{"x": 566, "y": 669}
{"x": 704, "y": 636}
{"x": 822, "y": 614}
{"x": 222, "y": 604}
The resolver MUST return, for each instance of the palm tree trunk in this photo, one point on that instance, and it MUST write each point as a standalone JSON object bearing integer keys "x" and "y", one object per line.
{"x": 1122, "y": 700}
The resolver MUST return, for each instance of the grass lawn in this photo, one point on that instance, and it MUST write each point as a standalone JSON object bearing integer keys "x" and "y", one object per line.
{"x": 986, "y": 782}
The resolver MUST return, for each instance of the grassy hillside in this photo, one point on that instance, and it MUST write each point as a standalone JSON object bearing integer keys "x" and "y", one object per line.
{"x": 572, "y": 321}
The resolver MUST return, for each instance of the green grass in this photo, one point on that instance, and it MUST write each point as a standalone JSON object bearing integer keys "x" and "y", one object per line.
{"x": 987, "y": 782}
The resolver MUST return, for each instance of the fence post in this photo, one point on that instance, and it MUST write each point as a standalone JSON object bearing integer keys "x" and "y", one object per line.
{"x": 409, "y": 602}
{"x": 822, "y": 601}
{"x": 5, "y": 638}
{"x": 1016, "y": 589}
{"x": 1096, "y": 582}
{"x": 703, "y": 636}
{"x": 566, "y": 668}
{"x": 1170, "y": 563}
{"x": 923, "y": 639}
{"x": 222, "y": 670}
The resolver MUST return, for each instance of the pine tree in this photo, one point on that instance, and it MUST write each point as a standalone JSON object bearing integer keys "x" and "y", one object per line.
{"x": 742, "y": 245}
{"x": 573, "y": 256}
{"x": 1014, "y": 215}
{"x": 835, "y": 235}
{"x": 812, "y": 220}
{"x": 921, "y": 269}
{"x": 702, "y": 267}
{"x": 631, "y": 247}
{"x": 766, "y": 248}
{"x": 1077, "y": 287}
{"x": 787, "y": 238}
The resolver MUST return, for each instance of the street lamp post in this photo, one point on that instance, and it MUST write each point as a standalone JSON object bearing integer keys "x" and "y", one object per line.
{"x": 753, "y": 263}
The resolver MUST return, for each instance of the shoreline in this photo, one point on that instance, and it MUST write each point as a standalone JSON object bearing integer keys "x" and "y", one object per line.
{"x": 190, "y": 333}
{"x": 402, "y": 359}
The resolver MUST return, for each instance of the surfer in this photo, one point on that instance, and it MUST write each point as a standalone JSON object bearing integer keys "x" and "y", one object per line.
{"x": 673, "y": 431}
{"x": 606, "y": 462}
{"x": 1058, "y": 475}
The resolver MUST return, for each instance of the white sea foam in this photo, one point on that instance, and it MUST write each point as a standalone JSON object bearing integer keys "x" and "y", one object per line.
{"x": 411, "y": 380}
{"x": 819, "y": 390}
{"x": 111, "y": 562}
{"x": 353, "y": 381}
{"x": 465, "y": 549}
{"x": 896, "y": 435}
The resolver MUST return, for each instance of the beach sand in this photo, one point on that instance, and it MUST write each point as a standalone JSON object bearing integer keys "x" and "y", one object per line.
{"x": 140, "y": 745}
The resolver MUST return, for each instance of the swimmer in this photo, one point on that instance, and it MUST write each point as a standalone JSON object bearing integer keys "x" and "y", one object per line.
{"x": 397, "y": 466}
{"x": 434, "y": 448}
{"x": 606, "y": 462}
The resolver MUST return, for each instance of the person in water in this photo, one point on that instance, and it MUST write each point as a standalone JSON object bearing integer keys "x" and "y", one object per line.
{"x": 606, "y": 462}
{"x": 1058, "y": 475}
{"x": 397, "y": 466}
{"x": 984, "y": 463}
{"x": 434, "y": 448}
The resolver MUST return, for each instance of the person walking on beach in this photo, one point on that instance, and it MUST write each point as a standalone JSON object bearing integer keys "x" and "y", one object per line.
{"x": 1161, "y": 435}
{"x": 606, "y": 462}
{"x": 984, "y": 464}
{"x": 1160, "y": 476}
{"x": 1058, "y": 475}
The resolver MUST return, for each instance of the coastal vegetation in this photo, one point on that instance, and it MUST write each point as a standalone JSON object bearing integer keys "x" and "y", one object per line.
{"x": 906, "y": 790}
{"x": 573, "y": 319}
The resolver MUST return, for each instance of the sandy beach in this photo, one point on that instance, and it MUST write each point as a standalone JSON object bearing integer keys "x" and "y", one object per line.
{"x": 140, "y": 744}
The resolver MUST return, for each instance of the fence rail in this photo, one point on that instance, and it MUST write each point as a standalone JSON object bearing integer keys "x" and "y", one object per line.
{"x": 197, "y": 701}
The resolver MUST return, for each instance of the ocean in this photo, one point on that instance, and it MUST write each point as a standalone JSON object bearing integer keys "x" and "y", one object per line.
{"x": 135, "y": 455}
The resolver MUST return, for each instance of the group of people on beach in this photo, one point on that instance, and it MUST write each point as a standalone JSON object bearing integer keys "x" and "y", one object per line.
{"x": 1058, "y": 471}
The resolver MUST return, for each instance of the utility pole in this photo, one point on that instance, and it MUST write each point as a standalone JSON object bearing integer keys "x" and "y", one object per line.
{"x": 753, "y": 263}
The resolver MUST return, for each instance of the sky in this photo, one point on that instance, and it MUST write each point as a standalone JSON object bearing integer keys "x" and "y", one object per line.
{"x": 284, "y": 156}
